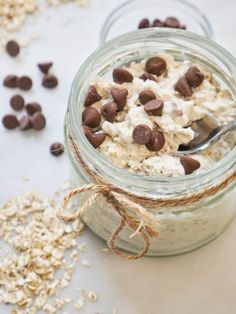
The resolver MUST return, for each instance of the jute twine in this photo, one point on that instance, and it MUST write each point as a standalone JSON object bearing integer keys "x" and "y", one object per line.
{"x": 129, "y": 206}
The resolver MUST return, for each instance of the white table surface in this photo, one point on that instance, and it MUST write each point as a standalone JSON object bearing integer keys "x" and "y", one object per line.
{"x": 201, "y": 282}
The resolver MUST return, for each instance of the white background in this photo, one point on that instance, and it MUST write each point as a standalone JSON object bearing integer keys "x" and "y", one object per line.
{"x": 201, "y": 282}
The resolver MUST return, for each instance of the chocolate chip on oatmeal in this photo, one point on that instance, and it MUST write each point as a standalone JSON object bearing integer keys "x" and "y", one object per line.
{"x": 38, "y": 121}
{"x": 92, "y": 96}
{"x": 157, "y": 23}
{"x": 194, "y": 76}
{"x": 183, "y": 87}
{"x": 45, "y": 67}
{"x": 121, "y": 75}
{"x": 24, "y": 82}
{"x": 57, "y": 149}
{"x": 146, "y": 96}
{"x": 144, "y": 23}
{"x": 10, "y": 121}
{"x": 154, "y": 107}
{"x": 172, "y": 22}
{"x": 157, "y": 141}
{"x": 25, "y": 123}
{"x": 91, "y": 117}
{"x": 142, "y": 134}
{"x": 189, "y": 164}
{"x": 156, "y": 65}
{"x": 17, "y": 102}
{"x": 108, "y": 111}
{"x": 119, "y": 96}
{"x": 13, "y": 48}
{"x": 50, "y": 81}
{"x": 95, "y": 139}
{"x": 146, "y": 76}
{"x": 10, "y": 81}
{"x": 32, "y": 108}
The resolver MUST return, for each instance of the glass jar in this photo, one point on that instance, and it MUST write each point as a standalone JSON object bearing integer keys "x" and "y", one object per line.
{"x": 126, "y": 17}
{"x": 182, "y": 228}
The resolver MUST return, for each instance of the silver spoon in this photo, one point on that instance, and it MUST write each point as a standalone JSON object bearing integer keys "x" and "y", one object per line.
{"x": 207, "y": 132}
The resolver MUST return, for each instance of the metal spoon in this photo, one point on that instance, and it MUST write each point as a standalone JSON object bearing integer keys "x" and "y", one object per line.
{"x": 207, "y": 132}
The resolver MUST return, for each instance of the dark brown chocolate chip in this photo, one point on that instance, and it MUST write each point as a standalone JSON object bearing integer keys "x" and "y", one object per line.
{"x": 45, "y": 67}
{"x": 32, "y": 108}
{"x": 57, "y": 149}
{"x": 92, "y": 96}
{"x": 10, "y": 81}
{"x": 10, "y": 121}
{"x": 91, "y": 117}
{"x": 172, "y": 22}
{"x": 194, "y": 76}
{"x": 189, "y": 164}
{"x": 38, "y": 121}
{"x": 156, "y": 65}
{"x": 146, "y": 76}
{"x": 13, "y": 48}
{"x": 95, "y": 139}
{"x": 157, "y": 141}
{"x": 183, "y": 87}
{"x": 146, "y": 96}
{"x": 25, "y": 123}
{"x": 144, "y": 23}
{"x": 50, "y": 81}
{"x": 121, "y": 75}
{"x": 142, "y": 134}
{"x": 24, "y": 82}
{"x": 17, "y": 102}
{"x": 119, "y": 96}
{"x": 157, "y": 23}
{"x": 154, "y": 107}
{"x": 109, "y": 111}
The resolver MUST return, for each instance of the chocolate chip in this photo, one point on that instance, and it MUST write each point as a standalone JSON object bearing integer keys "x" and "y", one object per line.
{"x": 13, "y": 48}
{"x": 144, "y": 23}
{"x": 157, "y": 23}
{"x": 25, "y": 123}
{"x": 119, "y": 96}
{"x": 10, "y": 81}
{"x": 10, "y": 121}
{"x": 91, "y": 117}
{"x": 50, "y": 81}
{"x": 38, "y": 121}
{"x": 95, "y": 139}
{"x": 194, "y": 76}
{"x": 157, "y": 141}
{"x": 92, "y": 96}
{"x": 142, "y": 134}
{"x": 146, "y": 96}
{"x": 45, "y": 66}
{"x": 121, "y": 75}
{"x": 109, "y": 111}
{"x": 172, "y": 22}
{"x": 189, "y": 164}
{"x": 56, "y": 149}
{"x": 183, "y": 88}
{"x": 156, "y": 65}
{"x": 17, "y": 102}
{"x": 32, "y": 108}
{"x": 146, "y": 76}
{"x": 24, "y": 82}
{"x": 154, "y": 107}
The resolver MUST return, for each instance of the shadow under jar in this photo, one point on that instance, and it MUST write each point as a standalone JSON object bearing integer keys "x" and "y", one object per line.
{"x": 182, "y": 228}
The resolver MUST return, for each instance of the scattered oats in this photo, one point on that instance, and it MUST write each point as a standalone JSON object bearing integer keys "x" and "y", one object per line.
{"x": 82, "y": 3}
{"x": 80, "y": 303}
{"x": 105, "y": 249}
{"x": 82, "y": 247}
{"x": 78, "y": 226}
{"x": 85, "y": 262}
{"x": 74, "y": 255}
{"x": 91, "y": 295}
{"x": 49, "y": 308}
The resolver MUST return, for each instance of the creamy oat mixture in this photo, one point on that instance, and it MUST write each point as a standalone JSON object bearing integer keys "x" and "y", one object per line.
{"x": 165, "y": 97}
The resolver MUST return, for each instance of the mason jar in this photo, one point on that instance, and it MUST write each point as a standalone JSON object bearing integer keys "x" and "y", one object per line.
{"x": 182, "y": 227}
{"x": 126, "y": 17}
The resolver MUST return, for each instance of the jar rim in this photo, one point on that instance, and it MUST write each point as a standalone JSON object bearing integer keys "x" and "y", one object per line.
{"x": 125, "y": 6}
{"x": 225, "y": 164}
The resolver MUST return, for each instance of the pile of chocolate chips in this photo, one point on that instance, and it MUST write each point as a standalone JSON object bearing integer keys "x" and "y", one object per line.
{"x": 171, "y": 22}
